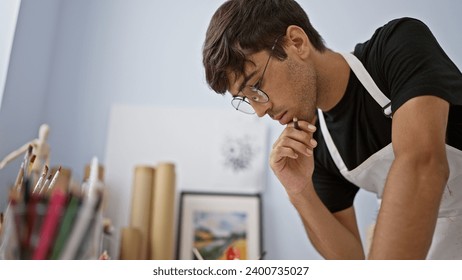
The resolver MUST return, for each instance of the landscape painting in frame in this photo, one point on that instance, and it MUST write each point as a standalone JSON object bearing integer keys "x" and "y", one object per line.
{"x": 219, "y": 227}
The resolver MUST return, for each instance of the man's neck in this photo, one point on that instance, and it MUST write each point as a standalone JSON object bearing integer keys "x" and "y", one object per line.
{"x": 333, "y": 76}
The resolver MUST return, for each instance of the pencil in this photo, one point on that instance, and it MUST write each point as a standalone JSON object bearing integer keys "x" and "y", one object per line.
{"x": 84, "y": 219}
{"x": 91, "y": 241}
{"x": 26, "y": 160}
{"x": 197, "y": 254}
{"x": 66, "y": 226}
{"x": 27, "y": 182}
{"x": 50, "y": 224}
{"x": 296, "y": 126}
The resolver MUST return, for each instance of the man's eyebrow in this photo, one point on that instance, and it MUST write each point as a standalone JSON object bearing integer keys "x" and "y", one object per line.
{"x": 246, "y": 79}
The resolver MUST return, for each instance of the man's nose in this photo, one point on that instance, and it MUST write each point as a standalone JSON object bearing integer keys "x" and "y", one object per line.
{"x": 261, "y": 108}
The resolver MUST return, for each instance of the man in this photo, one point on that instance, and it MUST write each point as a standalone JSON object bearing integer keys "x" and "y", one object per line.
{"x": 386, "y": 118}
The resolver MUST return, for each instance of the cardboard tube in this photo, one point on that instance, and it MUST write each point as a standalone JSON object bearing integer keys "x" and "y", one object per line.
{"x": 162, "y": 223}
{"x": 141, "y": 205}
{"x": 130, "y": 247}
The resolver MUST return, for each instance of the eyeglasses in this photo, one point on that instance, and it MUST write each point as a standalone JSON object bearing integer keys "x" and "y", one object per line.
{"x": 253, "y": 93}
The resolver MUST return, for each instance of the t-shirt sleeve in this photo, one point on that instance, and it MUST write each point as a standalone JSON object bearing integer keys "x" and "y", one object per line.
{"x": 414, "y": 64}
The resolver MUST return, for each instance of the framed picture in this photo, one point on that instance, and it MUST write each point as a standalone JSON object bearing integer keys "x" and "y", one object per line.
{"x": 217, "y": 226}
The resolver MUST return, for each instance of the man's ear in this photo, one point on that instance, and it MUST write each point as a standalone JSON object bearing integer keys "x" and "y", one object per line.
{"x": 297, "y": 41}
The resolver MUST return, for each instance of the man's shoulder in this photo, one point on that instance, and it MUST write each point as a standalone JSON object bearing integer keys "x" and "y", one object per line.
{"x": 404, "y": 20}
{"x": 395, "y": 31}
{"x": 399, "y": 27}
{"x": 404, "y": 24}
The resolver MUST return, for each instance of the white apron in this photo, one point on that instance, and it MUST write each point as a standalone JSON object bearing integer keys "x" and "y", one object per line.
{"x": 372, "y": 173}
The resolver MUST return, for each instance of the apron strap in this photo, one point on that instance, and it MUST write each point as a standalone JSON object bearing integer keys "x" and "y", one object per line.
{"x": 368, "y": 83}
{"x": 336, "y": 157}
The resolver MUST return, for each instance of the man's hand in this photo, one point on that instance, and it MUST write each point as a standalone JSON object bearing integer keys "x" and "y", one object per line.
{"x": 291, "y": 157}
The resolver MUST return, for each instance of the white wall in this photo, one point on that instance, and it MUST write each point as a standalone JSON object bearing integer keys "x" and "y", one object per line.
{"x": 73, "y": 59}
{"x": 8, "y": 16}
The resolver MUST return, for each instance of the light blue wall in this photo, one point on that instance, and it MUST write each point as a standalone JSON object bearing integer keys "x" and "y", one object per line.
{"x": 73, "y": 59}
{"x": 27, "y": 85}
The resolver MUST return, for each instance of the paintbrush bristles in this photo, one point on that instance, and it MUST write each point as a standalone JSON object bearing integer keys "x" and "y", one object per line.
{"x": 19, "y": 177}
{"x": 41, "y": 180}
{"x": 31, "y": 163}
{"x": 44, "y": 188}
{"x": 54, "y": 180}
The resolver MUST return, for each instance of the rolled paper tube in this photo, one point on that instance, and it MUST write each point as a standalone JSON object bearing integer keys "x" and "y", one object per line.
{"x": 130, "y": 244}
{"x": 162, "y": 223}
{"x": 141, "y": 205}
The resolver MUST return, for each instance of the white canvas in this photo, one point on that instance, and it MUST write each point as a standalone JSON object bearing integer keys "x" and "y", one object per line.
{"x": 213, "y": 150}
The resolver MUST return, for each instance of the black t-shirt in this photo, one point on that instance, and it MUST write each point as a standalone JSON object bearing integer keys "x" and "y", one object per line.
{"x": 405, "y": 60}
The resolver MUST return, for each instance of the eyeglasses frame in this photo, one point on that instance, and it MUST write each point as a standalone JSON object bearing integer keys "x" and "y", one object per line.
{"x": 255, "y": 87}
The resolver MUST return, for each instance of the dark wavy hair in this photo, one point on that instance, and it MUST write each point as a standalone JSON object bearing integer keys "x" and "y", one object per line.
{"x": 250, "y": 26}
